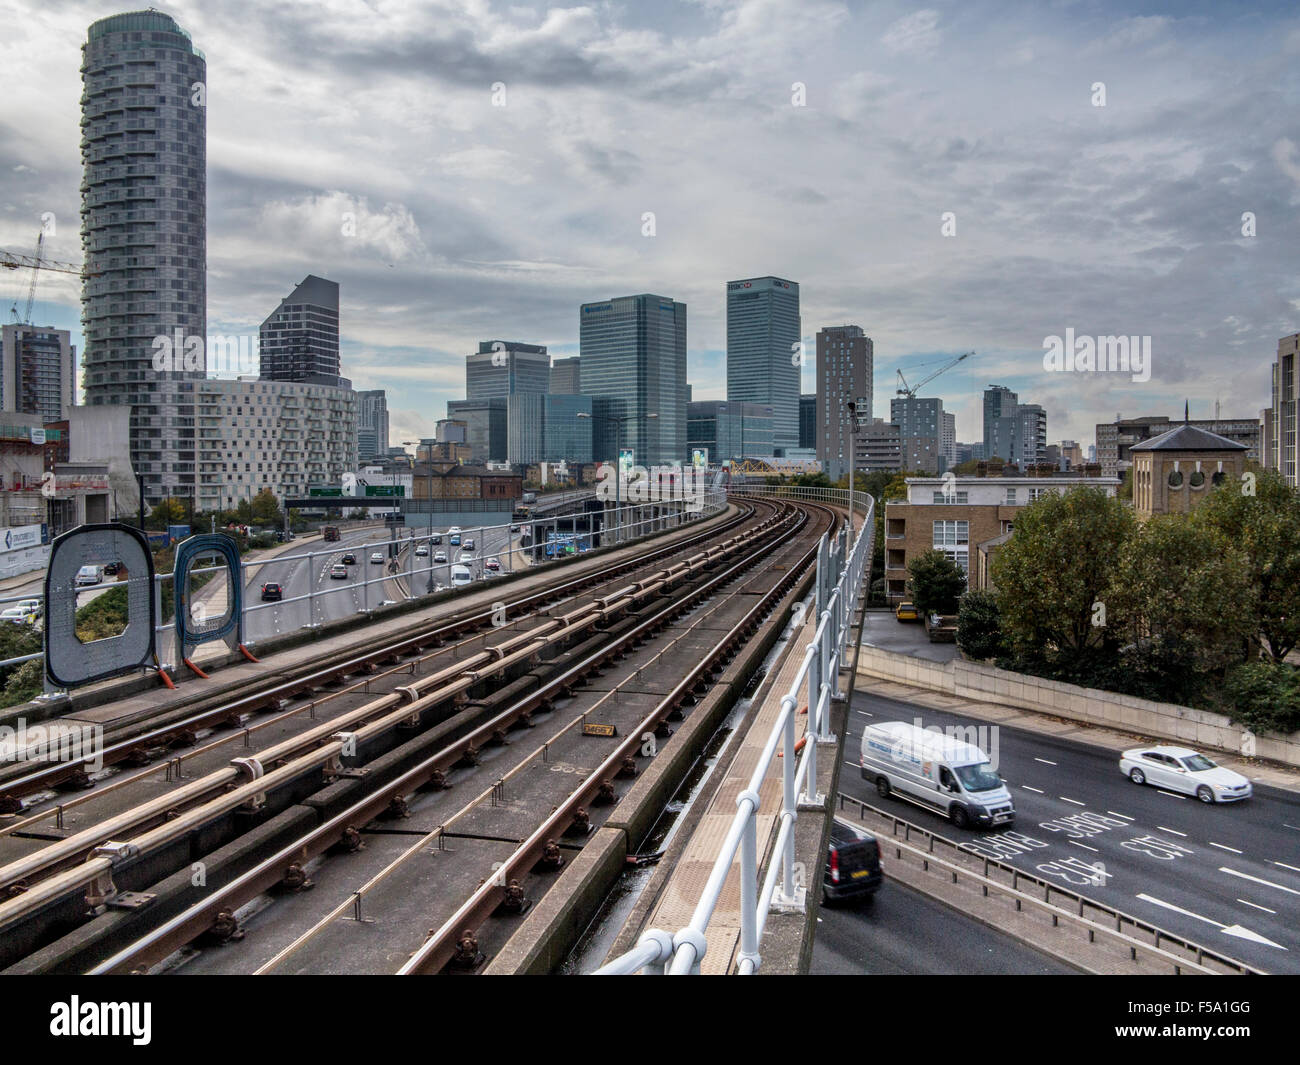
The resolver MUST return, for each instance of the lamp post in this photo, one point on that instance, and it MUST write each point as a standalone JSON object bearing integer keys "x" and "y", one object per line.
{"x": 853, "y": 441}
{"x": 618, "y": 419}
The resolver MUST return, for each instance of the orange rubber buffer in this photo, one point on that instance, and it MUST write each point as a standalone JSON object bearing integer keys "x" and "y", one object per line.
{"x": 195, "y": 668}
{"x": 248, "y": 654}
{"x": 162, "y": 674}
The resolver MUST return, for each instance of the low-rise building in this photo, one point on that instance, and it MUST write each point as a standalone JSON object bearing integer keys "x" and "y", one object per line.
{"x": 967, "y": 519}
{"x": 1174, "y": 472}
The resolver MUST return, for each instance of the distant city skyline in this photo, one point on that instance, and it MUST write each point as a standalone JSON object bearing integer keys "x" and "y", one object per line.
{"x": 443, "y": 225}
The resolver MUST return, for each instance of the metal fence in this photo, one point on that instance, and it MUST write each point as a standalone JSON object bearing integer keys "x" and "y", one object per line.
{"x": 414, "y": 575}
{"x": 841, "y": 565}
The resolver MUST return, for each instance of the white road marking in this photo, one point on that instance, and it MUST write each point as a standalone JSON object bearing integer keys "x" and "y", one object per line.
{"x": 1257, "y": 880}
{"x": 1223, "y": 848}
{"x": 1085, "y": 846}
{"x": 1171, "y": 794}
{"x": 1227, "y": 930}
{"x": 1244, "y": 902}
{"x": 1172, "y": 831}
{"x": 1028, "y": 788}
{"x": 1075, "y": 801}
{"x": 1285, "y": 866}
{"x": 1125, "y": 816}
{"x": 1044, "y": 761}
{"x": 863, "y": 713}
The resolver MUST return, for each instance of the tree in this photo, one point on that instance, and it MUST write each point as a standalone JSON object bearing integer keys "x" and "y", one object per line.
{"x": 1265, "y": 526}
{"x": 266, "y": 508}
{"x": 1183, "y": 603}
{"x": 979, "y": 626}
{"x": 169, "y": 511}
{"x": 937, "y": 583}
{"x": 1056, "y": 569}
{"x": 1264, "y": 695}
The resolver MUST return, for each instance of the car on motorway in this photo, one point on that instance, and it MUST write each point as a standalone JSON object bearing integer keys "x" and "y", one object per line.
{"x": 906, "y": 611}
{"x": 1187, "y": 772}
{"x": 852, "y": 864}
{"x": 454, "y": 539}
{"x": 435, "y": 539}
{"x": 111, "y": 568}
{"x": 466, "y": 557}
{"x": 338, "y": 572}
{"x": 376, "y": 558}
{"x": 89, "y": 575}
{"x": 349, "y": 559}
{"x": 422, "y": 551}
{"x": 440, "y": 556}
{"x": 461, "y": 575}
{"x": 493, "y": 565}
{"x": 272, "y": 592}
{"x": 936, "y": 771}
{"x": 467, "y": 543}
{"x": 18, "y": 615}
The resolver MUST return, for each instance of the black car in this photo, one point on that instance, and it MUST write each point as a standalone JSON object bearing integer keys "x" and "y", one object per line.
{"x": 852, "y": 864}
{"x": 349, "y": 559}
{"x": 435, "y": 539}
{"x": 272, "y": 593}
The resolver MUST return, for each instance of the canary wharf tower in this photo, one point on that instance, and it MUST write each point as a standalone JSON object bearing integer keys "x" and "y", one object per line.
{"x": 143, "y": 233}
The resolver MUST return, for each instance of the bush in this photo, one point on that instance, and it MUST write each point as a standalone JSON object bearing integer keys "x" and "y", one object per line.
{"x": 24, "y": 683}
{"x": 104, "y": 616}
{"x": 979, "y": 626}
{"x": 1264, "y": 696}
{"x": 937, "y": 583}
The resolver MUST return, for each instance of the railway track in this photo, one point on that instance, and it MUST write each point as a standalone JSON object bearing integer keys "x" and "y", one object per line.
{"x": 103, "y": 869}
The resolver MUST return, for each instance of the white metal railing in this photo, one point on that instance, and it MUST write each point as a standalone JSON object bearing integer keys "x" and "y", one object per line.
{"x": 632, "y": 521}
{"x": 841, "y": 567}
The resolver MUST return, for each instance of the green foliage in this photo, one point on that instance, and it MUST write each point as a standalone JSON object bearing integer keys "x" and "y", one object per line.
{"x": 1051, "y": 573}
{"x": 103, "y": 616}
{"x": 1265, "y": 526}
{"x": 16, "y": 641}
{"x": 979, "y": 626}
{"x": 23, "y": 683}
{"x": 1264, "y": 696}
{"x": 169, "y": 511}
{"x": 266, "y": 509}
{"x": 937, "y": 583}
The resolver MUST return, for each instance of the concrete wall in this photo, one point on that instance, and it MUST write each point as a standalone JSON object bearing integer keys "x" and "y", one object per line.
{"x": 973, "y": 680}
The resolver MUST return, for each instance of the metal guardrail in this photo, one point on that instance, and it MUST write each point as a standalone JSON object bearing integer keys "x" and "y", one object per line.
{"x": 633, "y": 520}
{"x": 841, "y": 566}
{"x": 1080, "y": 905}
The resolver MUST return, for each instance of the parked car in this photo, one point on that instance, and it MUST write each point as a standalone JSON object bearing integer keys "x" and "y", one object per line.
{"x": 272, "y": 592}
{"x": 349, "y": 559}
{"x": 376, "y": 558}
{"x": 338, "y": 572}
{"x": 17, "y": 615}
{"x": 89, "y": 575}
{"x": 906, "y": 611}
{"x": 852, "y": 864}
{"x": 422, "y": 551}
{"x": 1187, "y": 772}
{"x": 461, "y": 575}
{"x": 31, "y": 606}
{"x": 493, "y": 565}
{"x": 440, "y": 556}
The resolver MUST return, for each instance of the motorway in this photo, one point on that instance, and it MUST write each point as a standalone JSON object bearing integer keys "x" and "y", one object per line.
{"x": 902, "y": 932}
{"x": 1227, "y": 876}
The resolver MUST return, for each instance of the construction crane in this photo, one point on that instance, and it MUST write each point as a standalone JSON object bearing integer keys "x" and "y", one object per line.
{"x": 35, "y": 263}
{"x": 910, "y": 391}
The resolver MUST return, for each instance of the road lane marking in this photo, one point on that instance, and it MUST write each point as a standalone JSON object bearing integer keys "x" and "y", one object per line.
{"x": 863, "y": 713}
{"x": 1285, "y": 866}
{"x": 1044, "y": 761}
{"x": 1244, "y": 902}
{"x": 1171, "y": 794}
{"x": 1075, "y": 801}
{"x": 1028, "y": 788}
{"x": 1084, "y": 846}
{"x": 1172, "y": 831}
{"x": 1223, "y": 848}
{"x": 1257, "y": 880}
{"x": 1228, "y": 930}
{"x": 1125, "y": 816}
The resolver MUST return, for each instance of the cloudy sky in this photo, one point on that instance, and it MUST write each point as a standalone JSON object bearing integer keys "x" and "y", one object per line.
{"x": 820, "y": 141}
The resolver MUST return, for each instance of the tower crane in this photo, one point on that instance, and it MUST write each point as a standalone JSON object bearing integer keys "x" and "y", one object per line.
{"x": 37, "y": 262}
{"x": 910, "y": 391}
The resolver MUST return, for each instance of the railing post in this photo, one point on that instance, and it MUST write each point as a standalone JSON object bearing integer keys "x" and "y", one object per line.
{"x": 749, "y": 882}
{"x": 789, "y": 802}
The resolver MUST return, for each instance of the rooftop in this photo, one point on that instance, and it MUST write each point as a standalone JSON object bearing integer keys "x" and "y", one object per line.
{"x": 1189, "y": 438}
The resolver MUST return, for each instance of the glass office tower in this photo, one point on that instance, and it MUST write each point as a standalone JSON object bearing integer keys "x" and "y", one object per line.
{"x": 762, "y": 350}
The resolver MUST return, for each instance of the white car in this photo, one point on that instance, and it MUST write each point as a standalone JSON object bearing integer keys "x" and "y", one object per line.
{"x": 440, "y": 556}
{"x": 377, "y": 557}
{"x": 1185, "y": 771}
{"x": 466, "y": 558}
{"x": 453, "y": 529}
{"x": 18, "y": 615}
{"x": 422, "y": 551}
{"x": 88, "y": 575}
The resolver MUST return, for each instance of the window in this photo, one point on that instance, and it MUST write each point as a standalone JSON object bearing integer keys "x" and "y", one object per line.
{"x": 953, "y": 497}
{"x": 1011, "y": 497}
{"x": 951, "y": 537}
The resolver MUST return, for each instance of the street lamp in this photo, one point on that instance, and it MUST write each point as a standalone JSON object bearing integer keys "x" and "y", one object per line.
{"x": 618, "y": 466}
{"x": 853, "y": 442}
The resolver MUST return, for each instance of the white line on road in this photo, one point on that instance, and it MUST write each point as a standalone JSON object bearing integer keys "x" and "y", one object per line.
{"x": 1085, "y": 846}
{"x": 863, "y": 713}
{"x": 1044, "y": 761}
{"x": 1172, "y": 831}
{"x": 1244, "y": 902}
{"x": 1171, "y": 794}
{"x": 1223, "y": 848}
{"x": 1228, "y": 930}
{"x": 1285, "y": 866}
{"x": 1125, "y": 816}
{"x": 1075, "y": 801}
{"x": 1257, "y": 880}
{"x": 1028, "y": 788}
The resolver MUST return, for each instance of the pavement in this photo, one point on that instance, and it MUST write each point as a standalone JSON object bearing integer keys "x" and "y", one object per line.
{"x": 880, "y": 628}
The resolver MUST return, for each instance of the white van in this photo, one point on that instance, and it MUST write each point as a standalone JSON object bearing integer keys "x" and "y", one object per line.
{"x": 88, "y": 575}
{"x": 461, "y": 575}
{"x": 938, "y": 772}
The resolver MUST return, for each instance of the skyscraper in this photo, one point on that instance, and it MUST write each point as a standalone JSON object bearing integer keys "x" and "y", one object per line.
{"x": 1279, "y": 445}
{"x": 1001, "y": 423}
{"x": 372, "y": 424}
{"x": 566, "y": 377}
{"x": 921, "y": 432}
{"x": 845, "y": 367}
{"x": 507, "y": 367}
{"x": 37, "y": 371}
{"x": 143, "y": 233}
{"x": 763, "y": 363}
{"x": 300, "y": 340}
{"x": 808, "y": 421}
{"x": 633, "y": 351}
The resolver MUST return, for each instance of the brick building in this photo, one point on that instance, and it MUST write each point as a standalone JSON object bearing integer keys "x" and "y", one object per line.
{"x": 1173, "y": 472}
{"x": 465, "y": 482}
